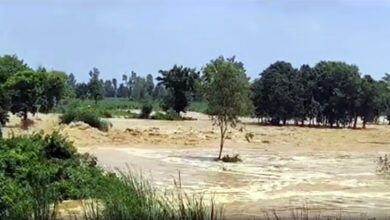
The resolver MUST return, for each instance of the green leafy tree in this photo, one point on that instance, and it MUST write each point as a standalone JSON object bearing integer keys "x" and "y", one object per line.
{"x": 95, "y": 86}
{"x": 227, "y": 91}
{"x": 54, "y": 88}
{"x": 25, "y": 89}
{"x": 278, "y": 94}
{"x": 82, "y": 91}
{"x": 368, "y": 100}
{"x": 149, "y": 84}
{"x": 10, "y": 65}
{"x": 179, "y": 82}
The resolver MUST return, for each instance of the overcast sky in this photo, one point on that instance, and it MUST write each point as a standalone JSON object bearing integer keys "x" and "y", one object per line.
{"x": 147, "y": 35}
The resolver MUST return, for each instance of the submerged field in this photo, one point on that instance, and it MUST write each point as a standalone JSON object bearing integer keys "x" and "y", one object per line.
{"x": 327, "y": 170}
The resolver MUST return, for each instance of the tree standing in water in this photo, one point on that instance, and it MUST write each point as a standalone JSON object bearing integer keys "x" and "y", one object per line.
{"x": 227, "y": 91}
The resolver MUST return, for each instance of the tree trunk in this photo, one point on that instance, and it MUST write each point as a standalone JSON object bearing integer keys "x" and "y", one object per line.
{"x": 223, "y": 130}
{"x": 25, "y": 114}
{"x": 355, "y": 122}
{"x": 364, "y": 123}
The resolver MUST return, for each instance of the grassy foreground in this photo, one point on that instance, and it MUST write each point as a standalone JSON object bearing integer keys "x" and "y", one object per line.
{"x": 38, "y": 172}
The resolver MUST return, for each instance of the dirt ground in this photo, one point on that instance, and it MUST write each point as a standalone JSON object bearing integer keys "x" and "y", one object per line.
{"x": 332, "y": 170}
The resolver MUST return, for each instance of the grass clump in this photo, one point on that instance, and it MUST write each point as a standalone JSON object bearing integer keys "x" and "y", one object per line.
{"x": 170, "y": 115}
{"x": 231, "y": 159}
{"x": 84, "y": 115}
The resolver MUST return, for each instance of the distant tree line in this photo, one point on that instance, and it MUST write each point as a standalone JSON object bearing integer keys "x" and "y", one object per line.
{"x": 132, "y": 87}
{"x": 328, "y": 94}
{"x": 333, "y": 94}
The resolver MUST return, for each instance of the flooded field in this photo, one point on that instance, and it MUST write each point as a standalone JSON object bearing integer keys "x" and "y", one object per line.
{"x": 326, "y": 170}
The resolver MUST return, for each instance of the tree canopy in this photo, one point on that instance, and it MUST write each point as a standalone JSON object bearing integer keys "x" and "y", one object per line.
{"x": 179, "y": 82}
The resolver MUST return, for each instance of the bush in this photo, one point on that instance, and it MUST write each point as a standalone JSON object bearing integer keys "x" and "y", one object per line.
{"x": 87, "y": 116}
{"x": 234, "y": 159}
{"x": 37, "y": 172}
{"x": 146, "y": 110}
{"x": 169, "y": 115}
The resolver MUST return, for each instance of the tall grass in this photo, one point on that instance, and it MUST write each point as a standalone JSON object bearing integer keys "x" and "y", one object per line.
{"x": 132, "y": 197}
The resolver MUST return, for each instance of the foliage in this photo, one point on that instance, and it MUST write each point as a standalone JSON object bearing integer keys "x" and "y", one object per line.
{"x": 331, "y": 93}
{"x": 37, "y": 171}
{"x": 95, "y": 85}
{"x": 25, "y": 90}
{"x": 179, "y": 82}
{"x": 170, "y": 115}
{"x": 227, "y": 93}
{"x": 233, "y": 159}
{"x": 32, "y": 91}
{"x": 84, "y": 115}
{"x": 146, "y": 109}
{"x": 81, "y": 91}
{"x": 10, "y": 65}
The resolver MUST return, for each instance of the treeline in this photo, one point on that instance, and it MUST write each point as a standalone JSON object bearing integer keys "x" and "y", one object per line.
{"x": 133, "y": 87}
{"x": 328, "y": 94}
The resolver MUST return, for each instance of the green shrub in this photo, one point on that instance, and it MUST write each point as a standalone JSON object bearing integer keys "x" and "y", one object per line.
{"x": 234, "y": 159}
{"x": 38, "y": 171}
{"x": 87, "y": 116}
{"x": 169, "y": 115}
{"x": 146, "y": 110}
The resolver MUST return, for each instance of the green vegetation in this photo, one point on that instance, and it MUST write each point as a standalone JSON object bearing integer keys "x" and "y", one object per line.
{"x": 146, "y": 110}
{"x": 180, "y": 83}
{"x": 38, "y": 172}
{"x": 227, "y": 92}
{"x": 95, "y": 86}
{"x": 87, "y": 116}
{"x": 170, "y": 115}
{"x": 328, "y": 94}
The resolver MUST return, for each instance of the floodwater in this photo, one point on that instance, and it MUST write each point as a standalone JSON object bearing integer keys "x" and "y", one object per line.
{"x": 325, "y": 170}
{"x": 331, "y": 182}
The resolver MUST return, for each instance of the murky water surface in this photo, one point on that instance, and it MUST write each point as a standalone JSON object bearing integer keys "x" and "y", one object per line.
{"x": 265, "y": 179}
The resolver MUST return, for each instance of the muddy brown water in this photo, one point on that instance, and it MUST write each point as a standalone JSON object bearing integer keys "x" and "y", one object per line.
{"x": 328, "y": 181}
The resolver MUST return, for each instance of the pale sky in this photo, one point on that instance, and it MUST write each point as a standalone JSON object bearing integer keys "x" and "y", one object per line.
{"x": 118, "y": 36}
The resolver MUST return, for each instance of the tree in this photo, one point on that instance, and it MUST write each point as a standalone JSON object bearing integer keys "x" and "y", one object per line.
{"x": 122, "y": 91}
{"x": 4, "y": 108}
{"x": 71, "y": 81}
{"x": 10, "y": 65}
{"x": 54, "y": 88}
{"x": 149, "y": 84}
{"x": 95, "y": 86}
{"x": 109, "y": 90}
{"x": 82, "y": 91}
{"x": 368, "y": 100}
{"x": 227, "y": 93}
{"x": 24, "y": 89}
{"x": 278, "y": 93}
{"x": 115, "y": 85}
{"x": 179, "y": 81}
{"x": 337, "y": 90}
